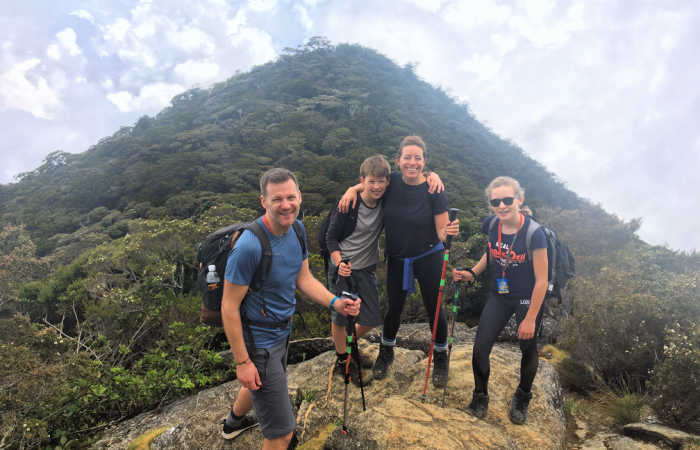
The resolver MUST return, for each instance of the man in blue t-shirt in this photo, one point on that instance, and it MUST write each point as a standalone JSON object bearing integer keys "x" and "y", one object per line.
{"x": 258, "y": 328}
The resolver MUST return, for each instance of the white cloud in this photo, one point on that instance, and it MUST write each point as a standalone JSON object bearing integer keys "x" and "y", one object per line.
{"x": 107, "y": 84}
{"x": 140, "y": 55}
{"x": 304, "y": 17}
{"x": 257, "y": 42}
{"x": 192, "y": 40}
{"x": 262, "y": 5}
{"x": 53, "y": 52}
{"x": 476, "y": 13}
{"x": 151, "y": 99}
{"x": 197, "y": 72}
{"x": 504, "y": 43}
{"x": 68, "y": 41}
{"x": 484, "y": 66}
{"x": 429, "y": 5}
{"x": 117, "y": 30}
{"x": 122, "y": 100}
{"x": 240, "y": 20}
{"x": 83, "y": 14}
{"x": 19, "y": 89}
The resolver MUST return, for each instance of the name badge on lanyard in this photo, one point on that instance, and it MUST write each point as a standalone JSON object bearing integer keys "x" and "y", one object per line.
{"x": 502, "y": 285}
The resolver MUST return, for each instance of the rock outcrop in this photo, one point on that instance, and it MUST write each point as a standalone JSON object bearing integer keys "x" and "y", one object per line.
{"x": 396, "y": 417}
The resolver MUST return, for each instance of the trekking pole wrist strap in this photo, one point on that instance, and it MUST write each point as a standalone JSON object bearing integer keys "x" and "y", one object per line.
{"x": 471, "y": 271}
{"x": 330, "y": 305}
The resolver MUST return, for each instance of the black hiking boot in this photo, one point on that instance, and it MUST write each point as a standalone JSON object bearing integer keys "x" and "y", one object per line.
{"x": 233, "y": 427}
{"x": 479, "y": 405}
{"x": 384, "y": 360}
{"x": 518, "y": 406}
{"x": 440, "y": 369}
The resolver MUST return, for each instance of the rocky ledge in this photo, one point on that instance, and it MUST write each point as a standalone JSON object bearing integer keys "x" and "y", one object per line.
{"x": 396, "y": 416}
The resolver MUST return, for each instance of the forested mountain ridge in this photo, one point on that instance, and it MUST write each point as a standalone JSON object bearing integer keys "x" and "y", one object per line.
{"x": 97, "y": 249}
{"x": 318, "y": 111}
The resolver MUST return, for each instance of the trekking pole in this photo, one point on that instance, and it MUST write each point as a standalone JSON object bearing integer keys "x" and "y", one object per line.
{"x": 351, "y": 323}
{"x": 452, "y": 213}
{"x": 351, "y": 333}
{"x": 453, "y": 318}
{"x": 359, "y": 366}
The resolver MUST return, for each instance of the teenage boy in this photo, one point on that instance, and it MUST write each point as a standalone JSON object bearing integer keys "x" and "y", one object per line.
{"x": 353, "y": 242}
{"x": 258, "y": 328}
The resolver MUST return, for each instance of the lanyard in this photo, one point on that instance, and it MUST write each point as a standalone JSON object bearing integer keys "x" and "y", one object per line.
{"x": 510, "y": 247}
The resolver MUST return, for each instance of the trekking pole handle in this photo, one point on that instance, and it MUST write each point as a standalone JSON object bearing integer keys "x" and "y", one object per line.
{"x": 452, "y": 214}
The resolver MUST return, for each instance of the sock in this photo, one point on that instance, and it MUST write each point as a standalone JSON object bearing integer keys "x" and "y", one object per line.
{"x": 341, "y": 356}
{"x": 232, "y": 418}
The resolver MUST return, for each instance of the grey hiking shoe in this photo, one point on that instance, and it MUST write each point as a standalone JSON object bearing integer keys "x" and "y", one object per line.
{"x": 233, "y": 427}
{"x": 519, "y": 405}
{"x": 479, "y": 405}
{"x": 440, "y": 369}
{"x": 384, "y": 360}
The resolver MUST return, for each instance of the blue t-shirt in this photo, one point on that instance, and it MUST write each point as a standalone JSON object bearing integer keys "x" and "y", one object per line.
{"x": 409, "y": 217}
{"x": 279, "y": 287}
{"x": 519, "y": 273}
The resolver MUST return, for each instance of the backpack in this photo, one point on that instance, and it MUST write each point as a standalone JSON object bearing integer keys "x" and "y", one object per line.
{"x": 560, "y": 260}
{"x": 214, "y": 250}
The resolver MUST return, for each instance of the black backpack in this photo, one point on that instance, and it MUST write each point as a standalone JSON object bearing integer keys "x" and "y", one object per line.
{"x": 560, "y": 260}
{"x": 214, "y": 250}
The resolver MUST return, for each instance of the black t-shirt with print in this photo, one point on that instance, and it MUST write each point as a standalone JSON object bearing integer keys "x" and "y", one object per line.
{"x": 519, "y": 273}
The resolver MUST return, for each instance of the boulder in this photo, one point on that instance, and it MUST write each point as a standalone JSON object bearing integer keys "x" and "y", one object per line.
{"x": 396, "y": 414}
{"x": 613, "y": 441}
{"x": 661, "y": 433}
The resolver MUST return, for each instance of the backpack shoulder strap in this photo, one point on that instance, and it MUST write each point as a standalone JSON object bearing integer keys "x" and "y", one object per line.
{"x": 266, "y": 257}
{"x": 300, "y": 235}
{"x": 531, "y": 228}
{"x": 492, "y": 224}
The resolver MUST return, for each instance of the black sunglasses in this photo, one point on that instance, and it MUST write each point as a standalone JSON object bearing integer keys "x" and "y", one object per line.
{"x": 497, "y": 201}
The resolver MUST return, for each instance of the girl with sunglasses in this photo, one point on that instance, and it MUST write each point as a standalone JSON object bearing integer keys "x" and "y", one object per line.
{"x": 518, "y": 286}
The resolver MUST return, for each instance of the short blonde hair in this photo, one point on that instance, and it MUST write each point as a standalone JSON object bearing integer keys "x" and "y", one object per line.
{"x": 505, "y": 181}
{"x": 375, "y": 166}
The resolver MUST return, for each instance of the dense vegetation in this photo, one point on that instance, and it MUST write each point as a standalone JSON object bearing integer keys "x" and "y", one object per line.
{"x": 99, "y": 308}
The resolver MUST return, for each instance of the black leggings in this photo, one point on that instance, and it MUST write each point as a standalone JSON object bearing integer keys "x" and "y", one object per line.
{"x": 494, "y": 317}
{"x": 427, "y": 270}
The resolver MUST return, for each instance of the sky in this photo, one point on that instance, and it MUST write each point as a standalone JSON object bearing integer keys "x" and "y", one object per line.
{"x": 605, "y": 94}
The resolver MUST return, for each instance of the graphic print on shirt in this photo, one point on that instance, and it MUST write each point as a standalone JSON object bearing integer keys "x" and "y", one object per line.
{"x": 501, "y": 254}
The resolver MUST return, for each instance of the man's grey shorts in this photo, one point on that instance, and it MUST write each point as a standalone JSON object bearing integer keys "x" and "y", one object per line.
{"x": 365, "y": 281}
{"x": 271, "y": 402}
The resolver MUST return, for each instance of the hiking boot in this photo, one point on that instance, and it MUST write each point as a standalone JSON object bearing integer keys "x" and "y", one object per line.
{"x": 384, "y": 360}
{"x": 233, "y": 427}
{"x": 479, "y": 405}
{"x": 440, "y": 369}
{"x": 518, "y": 406}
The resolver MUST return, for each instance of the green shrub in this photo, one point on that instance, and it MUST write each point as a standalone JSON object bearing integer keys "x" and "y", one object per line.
{"x": 621, "y": 316}
{"x": 676, "y": 380}
{"x": 576, "y": 376}
{"x": 625, "y": 408}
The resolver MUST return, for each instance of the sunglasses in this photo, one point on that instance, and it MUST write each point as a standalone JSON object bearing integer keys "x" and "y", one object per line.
{"x": 497, "y": 201}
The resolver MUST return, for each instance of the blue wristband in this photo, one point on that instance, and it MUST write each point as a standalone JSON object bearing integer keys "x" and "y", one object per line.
{"x": 332, "y": 301}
